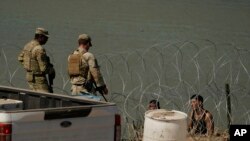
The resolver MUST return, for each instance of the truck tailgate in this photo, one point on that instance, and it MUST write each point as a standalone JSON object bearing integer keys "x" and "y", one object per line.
{"x": 73, "y": 124}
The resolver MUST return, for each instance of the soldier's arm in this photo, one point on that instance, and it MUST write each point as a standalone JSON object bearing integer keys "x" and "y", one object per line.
{"x": 42, "y": 60}
{"x": 94, "y": 70}
{"x": 210, "y": 123}
{"x": 96, "y": 74}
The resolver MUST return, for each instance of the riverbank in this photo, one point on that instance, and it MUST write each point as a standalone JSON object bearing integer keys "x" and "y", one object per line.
{"x": 219, "y": 137}
{"x": 223, "y": 137}
{"x": 136, "y": 134}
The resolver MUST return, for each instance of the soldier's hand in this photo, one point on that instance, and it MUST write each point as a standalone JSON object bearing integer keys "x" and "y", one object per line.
{"x": 102, "y": 89}
{"x": 105, "y": 91}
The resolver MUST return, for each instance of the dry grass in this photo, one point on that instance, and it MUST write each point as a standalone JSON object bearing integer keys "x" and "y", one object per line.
{"x": 212, "y": 138}
{"x": 136, "y": 134}
{"x": 189, "y": 138}
{"x": 193, "y": 138}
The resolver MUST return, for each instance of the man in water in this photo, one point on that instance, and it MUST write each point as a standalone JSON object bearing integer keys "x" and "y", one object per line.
{"x": 201, "y": 120}
{"x": 153, "y": 104}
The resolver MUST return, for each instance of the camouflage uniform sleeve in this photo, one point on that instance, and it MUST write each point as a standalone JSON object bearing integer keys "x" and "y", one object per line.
{"x": 94, "y": 69}
{"x": 42, "y": 60}
{"x": 20, "y": 57}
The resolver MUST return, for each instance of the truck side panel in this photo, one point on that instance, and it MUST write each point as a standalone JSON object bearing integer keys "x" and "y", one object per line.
{"x": 97, "y": 126}
{"x": 56, "y": 117}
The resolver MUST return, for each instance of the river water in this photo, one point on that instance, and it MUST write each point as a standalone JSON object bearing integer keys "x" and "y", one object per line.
{"x": 147, "y": 49}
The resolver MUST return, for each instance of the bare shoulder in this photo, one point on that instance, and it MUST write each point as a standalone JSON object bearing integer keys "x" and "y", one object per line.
{"x": 209, "y": 115}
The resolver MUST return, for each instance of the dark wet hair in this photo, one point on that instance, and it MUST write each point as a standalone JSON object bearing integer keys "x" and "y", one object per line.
{"x": 197, "y": 97}
{"x": 155, "y": 102}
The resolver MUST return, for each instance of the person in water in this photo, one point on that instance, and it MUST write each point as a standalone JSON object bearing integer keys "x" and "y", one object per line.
{"x": 201, "y": 120}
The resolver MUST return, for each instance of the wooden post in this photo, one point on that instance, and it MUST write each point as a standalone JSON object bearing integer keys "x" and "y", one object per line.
{"x": 229, "y": 115}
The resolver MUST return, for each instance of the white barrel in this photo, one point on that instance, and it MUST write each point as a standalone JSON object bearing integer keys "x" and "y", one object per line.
{"x": 163, "y": 125}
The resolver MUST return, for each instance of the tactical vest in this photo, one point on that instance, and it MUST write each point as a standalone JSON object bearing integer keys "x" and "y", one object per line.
{"x": 76, "y": 66}
{"x": 30, "y": 63}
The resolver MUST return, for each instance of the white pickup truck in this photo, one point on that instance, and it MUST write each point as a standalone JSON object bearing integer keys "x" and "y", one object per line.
{"x": 32, "y": 116}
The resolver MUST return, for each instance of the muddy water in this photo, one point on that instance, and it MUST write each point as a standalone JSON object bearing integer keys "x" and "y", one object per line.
{"x": 163, "y": 49}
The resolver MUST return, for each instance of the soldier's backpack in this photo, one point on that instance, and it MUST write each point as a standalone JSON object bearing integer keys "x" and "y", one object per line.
{"x": 76, "y": 66}
{"x": 29, "y": 62}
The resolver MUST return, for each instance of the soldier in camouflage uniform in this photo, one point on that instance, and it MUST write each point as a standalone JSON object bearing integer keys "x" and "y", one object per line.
{"x": 36, "y": 63}
{"x": 84, "y": 72}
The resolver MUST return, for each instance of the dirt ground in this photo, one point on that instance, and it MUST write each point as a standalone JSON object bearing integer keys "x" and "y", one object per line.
{"x": 212, "y": 138}
{"x": 218, "y": 137}
{"x": 196, "y": 138}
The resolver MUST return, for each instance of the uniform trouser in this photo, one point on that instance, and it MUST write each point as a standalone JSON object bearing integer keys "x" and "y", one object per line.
{"x": 80, "y": 90}
{"x": 37, "y": 82}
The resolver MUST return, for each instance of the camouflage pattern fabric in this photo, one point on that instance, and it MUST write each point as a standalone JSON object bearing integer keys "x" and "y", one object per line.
{"x": 90, "y": 74}
{"x": 39, "y": 64}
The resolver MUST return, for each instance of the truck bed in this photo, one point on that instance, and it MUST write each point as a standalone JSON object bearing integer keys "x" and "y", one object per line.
{"x": 38, "y": 100}
{"x": 57, "y": 117}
